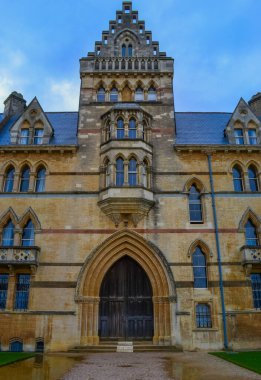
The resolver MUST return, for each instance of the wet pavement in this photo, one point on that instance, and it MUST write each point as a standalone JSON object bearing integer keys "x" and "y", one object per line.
{"x": 129, "y": 366}
{"x": 157, "y": 366}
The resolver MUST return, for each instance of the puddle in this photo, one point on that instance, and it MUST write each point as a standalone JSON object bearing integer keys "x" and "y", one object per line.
{"x": 47, "y": 367}
{"x": 182, "y": 371}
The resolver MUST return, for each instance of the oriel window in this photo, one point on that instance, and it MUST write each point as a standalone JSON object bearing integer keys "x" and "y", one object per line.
{"x": 132, "y": 173}
{"x": 132, "y": 129}
{"x": 120, "y": 129}
{"x": 119, "y": 172}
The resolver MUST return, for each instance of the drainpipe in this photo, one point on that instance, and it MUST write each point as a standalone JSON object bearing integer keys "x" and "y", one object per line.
{"x": 218, "y": 253}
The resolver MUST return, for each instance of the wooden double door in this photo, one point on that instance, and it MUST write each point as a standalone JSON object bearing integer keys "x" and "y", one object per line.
{"x": 126, "y": 309}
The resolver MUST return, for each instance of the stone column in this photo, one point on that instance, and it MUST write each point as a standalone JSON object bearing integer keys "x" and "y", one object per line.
{"x": 126, "y": 173}
{"x": 32, "y": 181}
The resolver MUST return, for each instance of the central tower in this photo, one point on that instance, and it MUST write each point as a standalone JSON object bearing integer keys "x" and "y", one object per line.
{"x": 126, "y": 105}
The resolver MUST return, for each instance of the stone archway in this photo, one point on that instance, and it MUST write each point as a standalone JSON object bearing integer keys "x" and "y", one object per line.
{"x": 153, "y": 262}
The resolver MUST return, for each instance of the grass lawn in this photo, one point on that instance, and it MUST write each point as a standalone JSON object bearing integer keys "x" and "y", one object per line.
{"x": 11, "y": 357}
{"x": 250, "y": 360}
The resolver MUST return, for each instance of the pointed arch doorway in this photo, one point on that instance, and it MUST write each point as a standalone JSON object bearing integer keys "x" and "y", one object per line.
{"x": 126, "y": 308}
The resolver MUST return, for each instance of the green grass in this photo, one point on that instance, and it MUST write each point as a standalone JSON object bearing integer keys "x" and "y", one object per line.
{"x": 11, "y": 357}
{"x": 250, "y": 360}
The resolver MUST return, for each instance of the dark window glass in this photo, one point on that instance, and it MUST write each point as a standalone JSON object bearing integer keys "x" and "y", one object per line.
{"x": 203, "y": 316}
{"x": 251, "y": 234}
{"x": 130, "y": 50}
{"x": 152, "y": 94}
{"x": 25, "y": 179}
{"x": 123, "y": 51}
{"x": 139, "y": 95}
{"x": 40, "y": 180}
{"x": 101, "y": 95}
{"x": 252, "y": 176}
{"x": 8, "y": 235}
{"x": 252, "y": 136}
{"x": 24, "y": 136}
{"x": 16, "y": 346}
{"x": 199, "y": 269}
{"x": 9, "y": 180}
{"x": 195, "y": 209}
{"x": 28, "y": 235}
{"x": 120, "y": 129}
{"x": 22, "y": 291}
{"x": 132, "y": 129}
{"x": 38, "y": 136}
{"x": 114, "y": 95}
{"x": 237, "y": 179}
{"x": 132, "y": 172}
{"x": 256, "y": 289}
{"x": 239, "y": 136}
{"x": 39, "y": 347}
{"x": 3, "y": 290}
{"x": 119, "y": 172}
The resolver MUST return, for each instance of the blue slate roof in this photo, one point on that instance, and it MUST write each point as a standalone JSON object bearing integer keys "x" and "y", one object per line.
{"x": 63, "y": 123}
{"x": 201, "y": 128}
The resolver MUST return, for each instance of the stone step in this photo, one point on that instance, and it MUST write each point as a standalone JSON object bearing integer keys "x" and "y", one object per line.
{"x": 126, "y": 347}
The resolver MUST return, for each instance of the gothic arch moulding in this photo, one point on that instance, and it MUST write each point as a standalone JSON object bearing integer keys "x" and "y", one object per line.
{"x": 30, "y": 214}
{"x": 249, "y": 214}
{"x": 202, "y": 245}
{"x": 194, "y": 181}
{"x": 150, "y": 258}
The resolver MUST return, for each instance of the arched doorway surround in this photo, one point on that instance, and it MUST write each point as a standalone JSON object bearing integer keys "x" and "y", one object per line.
{"x": 154, "y": 263}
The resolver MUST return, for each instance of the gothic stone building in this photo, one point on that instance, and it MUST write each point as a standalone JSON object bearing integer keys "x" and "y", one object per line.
{"x": 128, "y": 220}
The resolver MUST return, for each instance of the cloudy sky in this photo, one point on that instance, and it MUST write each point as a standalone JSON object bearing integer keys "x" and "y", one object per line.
{"x": 216, "y": 46}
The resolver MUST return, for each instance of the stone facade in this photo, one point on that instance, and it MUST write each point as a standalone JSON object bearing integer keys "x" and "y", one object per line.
{"x": 91, "y": 212}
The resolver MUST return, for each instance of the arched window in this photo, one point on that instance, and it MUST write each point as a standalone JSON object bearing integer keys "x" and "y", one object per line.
{"x": 9, "y": 180}
{"x": 132, "y": 129}
{"x": 119, "y": 172}
{"x": 25, "y": 179}
{"x": 252, "y": 136}
{"x": 251, "y": 234}
{"x": 199, "y": 269}
{"x": 16, "y": 346}
{"x": 203, "y": 316}
{"x": 39, "y": 346}
{"x": 8, "y": 234}
{"x": 114, "y": 95}
{"x": 120, "y": 129}
{"x": 123, "y": 50}
{"x": 152, "y": 94}
{"x": 252, "y": 176}
{"x": 101, "y": 95}
{"x": 139, "y": 95}
{"x": 40, "y": 180}
{"x": 237, "y": 178}
{"x": 239, "y": 136}
{"x": 28, "y": 234}
{"x": 24, "y": 134}
{"x": 195, "y": 207}
{"x": 38, "y": 136}
{"x": 130, "y": 50}
{"x": 132, "y": 172}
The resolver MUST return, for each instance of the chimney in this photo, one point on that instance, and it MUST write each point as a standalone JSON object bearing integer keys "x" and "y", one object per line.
{"x": 14, "y": 104}
{"x": 255, "y": 104}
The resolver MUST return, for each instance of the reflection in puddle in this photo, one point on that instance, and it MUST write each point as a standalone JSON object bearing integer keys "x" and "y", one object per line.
{"x": 47, "y": 367}
{"x": 181, "y": 371}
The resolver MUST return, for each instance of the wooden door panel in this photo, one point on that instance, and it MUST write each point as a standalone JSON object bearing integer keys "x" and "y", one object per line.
{"x": 126, "y": 309}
